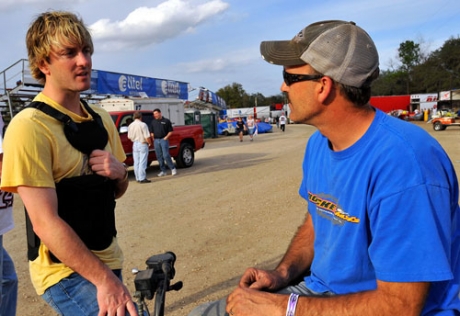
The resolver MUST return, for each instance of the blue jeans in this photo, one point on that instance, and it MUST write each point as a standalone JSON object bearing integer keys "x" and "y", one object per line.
{"x": 9, "y": 281}
{"x": 162, "y": 152}
{"x": 74, "y": 295}
{"x": 140, "y": 157}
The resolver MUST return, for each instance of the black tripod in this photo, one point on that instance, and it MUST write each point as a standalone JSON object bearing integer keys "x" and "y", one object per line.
{"x": 155, "y": 281}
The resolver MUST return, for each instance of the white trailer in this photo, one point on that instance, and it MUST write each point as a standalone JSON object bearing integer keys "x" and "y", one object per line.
{"x": 424, "y": 101}
{"x": 449, "y": 99}
{"x": 173, "y": 109}
{"x": 258, "y": 111}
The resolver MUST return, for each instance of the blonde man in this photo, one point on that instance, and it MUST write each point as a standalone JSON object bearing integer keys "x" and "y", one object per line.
{"x": 68, "y": 176}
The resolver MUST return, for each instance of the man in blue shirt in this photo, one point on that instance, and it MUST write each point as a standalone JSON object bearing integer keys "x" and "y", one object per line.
{"x": 381, "y": 235}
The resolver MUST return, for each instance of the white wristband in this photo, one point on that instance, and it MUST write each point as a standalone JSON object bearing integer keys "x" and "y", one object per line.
{"x": 292, "y": 304}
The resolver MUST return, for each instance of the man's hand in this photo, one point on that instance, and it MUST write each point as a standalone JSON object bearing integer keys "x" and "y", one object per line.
{"x": 250, "y": 299}
{"x": 114, "y": 299}
{"x": 105, "y": 164}
{"x": 262, "y": 280}
{"x": 249, "y": 302}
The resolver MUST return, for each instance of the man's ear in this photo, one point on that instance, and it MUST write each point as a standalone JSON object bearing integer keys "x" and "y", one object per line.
{"x": 326, "y": 90}
{"x": 43, "y": 66}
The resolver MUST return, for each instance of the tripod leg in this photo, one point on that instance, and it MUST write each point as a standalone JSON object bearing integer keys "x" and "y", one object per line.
{"x": 159, "y": 303}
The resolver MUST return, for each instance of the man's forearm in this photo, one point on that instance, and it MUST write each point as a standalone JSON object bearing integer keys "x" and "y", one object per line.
{"x": 388, "y": 299}
{"x": 69, "y": 249}
{"x": 299, "y": 256}
{"x": 121, "y": 185}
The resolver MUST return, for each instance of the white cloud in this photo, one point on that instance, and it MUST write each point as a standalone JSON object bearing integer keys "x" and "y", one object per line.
{"x": 231, "y": 61}
{"x": 146, "y": 26}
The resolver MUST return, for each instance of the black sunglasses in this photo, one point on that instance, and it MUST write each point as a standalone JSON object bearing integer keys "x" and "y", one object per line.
{"x": 292, "y": 78}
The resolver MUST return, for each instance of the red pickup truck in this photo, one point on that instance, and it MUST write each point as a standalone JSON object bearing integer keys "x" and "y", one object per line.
{"x": 183, "y": 143}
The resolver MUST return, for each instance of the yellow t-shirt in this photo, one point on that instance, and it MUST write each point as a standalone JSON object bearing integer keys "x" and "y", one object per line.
{"x": 37, "y": 154}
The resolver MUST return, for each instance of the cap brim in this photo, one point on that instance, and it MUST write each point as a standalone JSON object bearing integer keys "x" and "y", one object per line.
{"x": 285, "y": 53}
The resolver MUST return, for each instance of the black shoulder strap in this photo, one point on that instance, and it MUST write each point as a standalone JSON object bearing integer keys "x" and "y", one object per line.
{"x": 64, "y": 118}
{"x": 45, "y": 108}
{"x": 85, "y": 136}
{"x": 95, "y": 116}
{"x": 33, "y": 242}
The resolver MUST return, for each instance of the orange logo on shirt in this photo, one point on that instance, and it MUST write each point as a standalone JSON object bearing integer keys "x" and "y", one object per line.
{"x": 330, "y": 209}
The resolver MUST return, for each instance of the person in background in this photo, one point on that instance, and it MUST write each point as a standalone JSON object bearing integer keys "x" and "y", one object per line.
{"x": 138, "y": 133}
{"x": 8, "y": 276}
{"x": 282, "y": 120}
{"x": 373, "y": 202}
{"x": 64, "y": 159}
{"x": 129, "y": 121}
{"x": 240, "y": 128}
{"x": 161, "y": 130}
{"x": 252, "y": 126}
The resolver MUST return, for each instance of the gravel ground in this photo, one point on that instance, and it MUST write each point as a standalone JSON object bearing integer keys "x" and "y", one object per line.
{"x": 238, "y": 206}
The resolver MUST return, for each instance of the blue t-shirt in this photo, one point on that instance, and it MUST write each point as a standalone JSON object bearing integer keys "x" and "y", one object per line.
{"x": 385, "y": 208}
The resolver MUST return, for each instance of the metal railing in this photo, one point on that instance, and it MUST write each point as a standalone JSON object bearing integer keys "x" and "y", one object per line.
{"x": 17, "y": 87}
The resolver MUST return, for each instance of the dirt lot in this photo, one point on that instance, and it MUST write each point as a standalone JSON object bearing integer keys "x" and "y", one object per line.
{"x": 237, "y": 207}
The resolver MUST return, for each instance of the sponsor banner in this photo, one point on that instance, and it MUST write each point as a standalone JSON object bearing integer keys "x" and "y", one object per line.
{"x": 138, "y": 86}
{"x": 444, "y": 96}
{"x": 427, "y": 97}
{"x": 449, "y": 95}
{"x": 210, "y": 97}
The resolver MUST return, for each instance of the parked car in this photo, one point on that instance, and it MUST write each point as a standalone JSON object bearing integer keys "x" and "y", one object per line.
{"x": 183, "y": 143}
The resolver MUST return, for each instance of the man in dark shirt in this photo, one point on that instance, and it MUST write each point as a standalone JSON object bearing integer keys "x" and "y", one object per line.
{"x": 161, "y": 129}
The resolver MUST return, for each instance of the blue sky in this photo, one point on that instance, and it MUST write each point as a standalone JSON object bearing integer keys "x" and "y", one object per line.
{"x": 214, "y": 43}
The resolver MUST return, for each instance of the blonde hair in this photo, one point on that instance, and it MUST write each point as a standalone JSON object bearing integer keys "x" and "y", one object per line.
{"x": 54, "y": 30}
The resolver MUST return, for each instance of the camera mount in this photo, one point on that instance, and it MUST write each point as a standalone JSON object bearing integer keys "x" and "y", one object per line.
{"x": 155, "y": 281}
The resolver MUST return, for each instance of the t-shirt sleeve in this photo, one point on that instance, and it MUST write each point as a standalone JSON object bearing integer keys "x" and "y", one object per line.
{"x": 23, "y": 144}
{"x": 415, "y": 252}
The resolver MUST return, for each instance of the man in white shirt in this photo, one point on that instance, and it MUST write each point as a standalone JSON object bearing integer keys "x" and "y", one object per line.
{"x": 282, "y": 122}
{"x": 138, "y": 133}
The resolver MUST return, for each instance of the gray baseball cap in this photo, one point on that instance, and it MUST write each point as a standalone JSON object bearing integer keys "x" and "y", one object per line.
{"x": 337, "y": 49}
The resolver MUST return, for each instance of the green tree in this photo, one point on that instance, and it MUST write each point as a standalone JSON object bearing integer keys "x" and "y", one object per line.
{"x": 410, "y": 56}
{"x": 278, "y": 98}
{"x": 422, "y": 72}
{"x": 390, "y": 82}
{"x": 441, "y": 69}
{"x": 236, "y": 97}
{"x": 448, "y": 59}
{"x": 233, "y": 95}
{"x": 257, "y": 99}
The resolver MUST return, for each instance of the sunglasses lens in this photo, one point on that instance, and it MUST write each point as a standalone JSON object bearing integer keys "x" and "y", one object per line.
{"x": 288, "y": 78}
